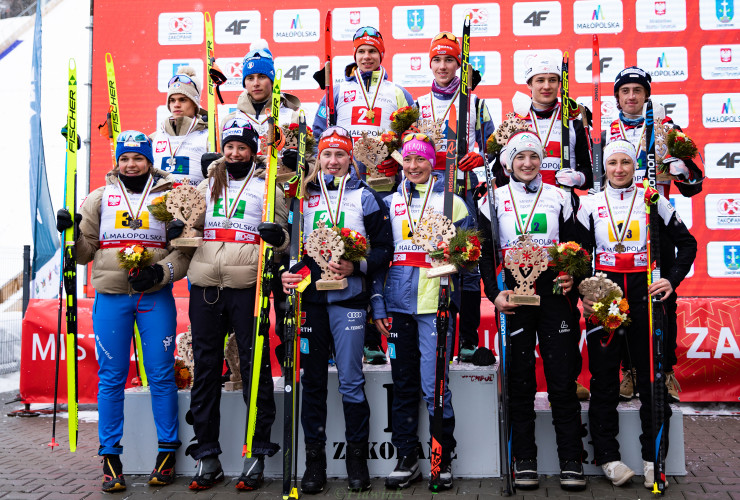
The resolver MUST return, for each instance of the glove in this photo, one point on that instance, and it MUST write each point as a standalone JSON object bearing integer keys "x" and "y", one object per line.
{"x": 570, "y": 178}
{"x": 145, "y": 278}
{"x": 320, "y": 77}
{"x": 592, "y": 191}
{"x": 64, "y": 220}
{"x": 290, "y": 158}
{"x": 388, "y": 167}
{"x": 483, "y": 357}
{"x": 279, "y": 138}
{"x": 272, "y": 233}
{"x": 677, "y": 168}
{"x": 480, "y": 191}
{"x": 441, "y": 160}
{"x": 470, "y": 161}
{"x": 206, "y": 160}
{"x": 174, "y": 229}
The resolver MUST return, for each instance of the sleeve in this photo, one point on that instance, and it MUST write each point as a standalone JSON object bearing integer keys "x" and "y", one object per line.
{"x": 488, "y": 260}
{"x": 88, "y": 240}
{"x": 403, "y": 97}
{"x": 582, "y": 156}
{"x": 681, "y": 239}
{"x": 584, "y": 226}
{"x": 380, "y": 237}
{"x": 693, "y": 186}
{"x": 176, "y": 264}
{"x": 319, "y": 121}
{"x": 377, "y": 280}
{"x": 484, "y": 126}
{"x": 203, "y": 190}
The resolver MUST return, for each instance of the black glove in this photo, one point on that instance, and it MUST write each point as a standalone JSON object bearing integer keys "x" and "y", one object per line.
{"x": 272, "y": 233}
{"x": 476, "y": 78}
{"x": 174, "y": 229}
{"x": 320, "y": 77}
{"x": 290, "y": 158}
{"x": 64, "y": 134}
{"x": 64, "y": 220}
{"x": 206, "y": 160}
{"x": 483, "y": 357}
{"x": 145, "y": 278}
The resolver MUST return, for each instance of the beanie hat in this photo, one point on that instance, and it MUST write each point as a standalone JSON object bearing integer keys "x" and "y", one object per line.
{"x": 368, "y": 36}
{"x": 620, "y": 146}
{"x": 336, "y": 137}
{"x": 420, "y": 147}
{"x": 258, "y": 61}
{"x": 518, "y": 142}
{"x": 539, "y": 65}
{"x": 445, "y": 44}
{"x": 185, "y": 83}
{"x": 133, "y": 141}
{"x": 240, "y": 130}
{"x": 633, "y": 74}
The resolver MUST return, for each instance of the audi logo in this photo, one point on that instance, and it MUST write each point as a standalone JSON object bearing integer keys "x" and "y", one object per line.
{"x": 354, "y": 314}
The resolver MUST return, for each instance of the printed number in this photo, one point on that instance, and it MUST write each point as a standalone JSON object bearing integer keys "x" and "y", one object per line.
{"x": 536, "y": 227}
{"x": 359, "y": 116}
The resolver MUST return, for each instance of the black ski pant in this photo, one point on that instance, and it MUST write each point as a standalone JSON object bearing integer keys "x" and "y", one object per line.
{"x": 552, "y": 323}
{"x": 469, "y": 317}
{"x": 670, "y": 327}
{"x": 213, "y": 312}
{"x": 604, "y": 352}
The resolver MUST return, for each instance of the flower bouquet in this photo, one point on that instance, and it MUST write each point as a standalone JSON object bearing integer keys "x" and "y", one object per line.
{"x": 158, "y": 209}
{"x": 569, "y": 258}
{"x": 183, "y": 377}
{"x": 402, "y": 119}
{"x": 355, "y": 244}
{"x": 134, "y": 257}
{"x": 463, "y": 250}
{"x": 611, "y": 311}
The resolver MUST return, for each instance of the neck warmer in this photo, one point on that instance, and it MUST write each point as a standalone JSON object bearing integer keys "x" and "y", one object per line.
{"x": 134, "y": 183}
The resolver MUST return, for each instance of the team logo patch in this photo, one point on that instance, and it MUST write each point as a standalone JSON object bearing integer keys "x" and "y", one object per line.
{"x": 161, "y": 146}
{"x": 114, "y": 200}
{"x": 349, "y": 95}
{"x": 603, "y": 213}
{"x": 313, "y": 201}
{"x": 426, "y": 111}
{"x": 507, "y": 206}
{"x": 399, "y": 209}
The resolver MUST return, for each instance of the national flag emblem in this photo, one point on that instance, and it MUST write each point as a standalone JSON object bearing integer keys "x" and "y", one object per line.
{"x": 161, "y": 146}
{"x": 660, "y": 8}
{"x": 725, "y": 54}
{"x": 354, "y": 17}
{"x": 400, "y": 209}
{"x": 415, "y": 63}
{"x": 114, "y": 200}
{"x": 349, "y": 95}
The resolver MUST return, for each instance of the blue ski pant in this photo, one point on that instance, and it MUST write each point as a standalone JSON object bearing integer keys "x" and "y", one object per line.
{"x": 346, "y": 327}
{"x": 113, "y": 324}
{"x": 412, "y": 347}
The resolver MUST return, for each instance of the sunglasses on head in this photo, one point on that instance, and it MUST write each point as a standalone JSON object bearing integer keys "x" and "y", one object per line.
{"x": 132, "y": 136}
{"x": 445, "y": 34}
{"x": 341, "y": 132}
{"x": 418, "y": 135}
{"x": 183, "y": 79}
{"x": 237, "y": 123}
{"x": 367, "y": 31}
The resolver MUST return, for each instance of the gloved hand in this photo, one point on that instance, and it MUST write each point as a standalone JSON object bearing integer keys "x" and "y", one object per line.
{"x": 470, "y": 161}
{"x": 570, "y": 178}
{"x": 64, "y": 220}
{"x": 206, "y": 160}
{"x": 480, "y": 191}
{"x": 290, "y": 158}
{"x": 388, "y": 167}
{"x": 145, "y": 278}
{"x": 320, "y": 77}
{"x": 677, "y": 168}
{"x": 174, "y": 229}
{"x": 272, "y": 233}
{"x": 592, "y": 191}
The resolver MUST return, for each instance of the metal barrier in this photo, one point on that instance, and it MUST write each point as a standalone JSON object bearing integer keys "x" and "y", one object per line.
{"x": 14, "y": 285}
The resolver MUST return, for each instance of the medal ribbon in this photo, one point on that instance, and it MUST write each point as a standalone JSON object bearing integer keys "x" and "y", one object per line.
{"x": 230, "y": 211}
{"x": 517, "y": 218}
{"x": 169, "y": 144}
{"x": 625, "y": 225}
{"x": 145, "y": 193}
{"x": 452, "y": 102}
{"x": 371, "y": 107}
{"x": 332, "y": 218}
{"x": 639, "y": 139}
{"x": 407, "y": 202}
{"x": 533, "y": 117}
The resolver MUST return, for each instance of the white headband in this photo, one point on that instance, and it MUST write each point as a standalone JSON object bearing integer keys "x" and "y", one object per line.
{"x": 620, "y": 146}
{"x": 521, "y": 141}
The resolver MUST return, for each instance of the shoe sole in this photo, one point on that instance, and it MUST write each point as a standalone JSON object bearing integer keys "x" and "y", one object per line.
{"x": 415, "y": 478}
{"x": 528, "y": 484}
{"x": 624, "y": 480}
{"x": 573, "y": 484}
{"x": 361, "y": 489}
{"x": 312, "y": 492}
{"x": 115, "y": 487}
{"x": 158, "y": 482}
{"x": 195, "y": 486}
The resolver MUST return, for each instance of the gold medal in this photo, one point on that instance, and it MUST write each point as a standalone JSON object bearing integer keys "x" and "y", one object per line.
{"x": 371, "y": 115}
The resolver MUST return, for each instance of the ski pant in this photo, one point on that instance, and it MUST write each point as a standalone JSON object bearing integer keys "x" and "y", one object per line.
{"x": 213, "y": 312}
{"x": 552, "y": 324}
{"x": 412, "y": 347}
{"x": 469, "y": 316}
{"x": 346, "y": 327}
{"x": 372, "y": 336}
{"x": 603, "y": 362}
{"x": 113, "y": 323}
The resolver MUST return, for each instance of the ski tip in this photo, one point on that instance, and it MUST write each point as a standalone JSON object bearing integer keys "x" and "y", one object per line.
{"x": 108, "y": 57}
{"x": 207, "y": 16}
{"x": 72, "y": 63}
{"x": 467, "y": 19}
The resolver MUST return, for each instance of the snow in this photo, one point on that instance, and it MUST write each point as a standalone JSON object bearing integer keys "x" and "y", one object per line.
{"x": 10, "y": 382}
{"x": 64, "y": 36}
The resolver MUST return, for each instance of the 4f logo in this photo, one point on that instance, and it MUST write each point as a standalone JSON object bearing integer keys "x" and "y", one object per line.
{"x": 236, "y": 26}
{"x": 729, "y": 160}
{"x": 536, "y": 17}
{"x": 603, "y": 63}
{"x": 296, "y": 72}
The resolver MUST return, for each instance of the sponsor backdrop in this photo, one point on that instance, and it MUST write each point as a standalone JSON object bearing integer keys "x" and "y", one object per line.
{"x": 689, "y": 46}
{"x": 708, "y": 351}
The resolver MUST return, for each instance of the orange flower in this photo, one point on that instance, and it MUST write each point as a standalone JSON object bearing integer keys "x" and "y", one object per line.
{"x": 157, "y": 200}
{"x": 624, "y": 306}
{"x": 139, "y": 249}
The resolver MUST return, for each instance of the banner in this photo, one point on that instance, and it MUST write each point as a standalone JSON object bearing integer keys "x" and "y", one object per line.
{"x": 708, "y": 350}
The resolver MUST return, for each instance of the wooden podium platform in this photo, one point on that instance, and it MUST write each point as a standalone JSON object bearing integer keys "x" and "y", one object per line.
{"x": 474, "y": 398}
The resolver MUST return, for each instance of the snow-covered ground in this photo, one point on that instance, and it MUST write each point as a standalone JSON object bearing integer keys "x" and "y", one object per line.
{"x": 64, "y": 36}
{"x": 10, "y": 382}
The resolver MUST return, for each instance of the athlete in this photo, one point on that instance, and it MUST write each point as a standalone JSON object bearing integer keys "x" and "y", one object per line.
{"x": 613, "y": 223}
{"x": 113, "y": 219}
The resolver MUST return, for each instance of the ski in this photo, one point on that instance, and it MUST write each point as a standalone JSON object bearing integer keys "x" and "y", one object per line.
{"x": 265, "y": 271}
{"x": 463, "y": 103}
{"x": 291, "y": 368}
{"x": 114, "y": 122}
{"x": 655, "y": 309}
{"x": 443, "y": 313}
{"x": 328, "y": 78}
{"x": 504, "y": 426}
{"x": 210, "y": 60}
{"x": 70, "y": 256}
{"x": 596, "y": 116}
{"x": 564, "y": 118}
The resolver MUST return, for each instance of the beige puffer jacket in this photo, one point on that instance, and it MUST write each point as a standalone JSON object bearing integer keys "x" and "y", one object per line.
{"x": 107, "y": 274}
{"x": 232, "y": 265}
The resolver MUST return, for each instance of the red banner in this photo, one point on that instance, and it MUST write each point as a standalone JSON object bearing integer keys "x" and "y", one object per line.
{"x": 708, "y": 354}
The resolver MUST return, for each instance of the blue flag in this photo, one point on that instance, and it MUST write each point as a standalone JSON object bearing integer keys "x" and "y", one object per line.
{"x": 45, "y": 236}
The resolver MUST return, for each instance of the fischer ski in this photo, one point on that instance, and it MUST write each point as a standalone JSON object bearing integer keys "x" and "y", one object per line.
{"x": 564, "y": 118}
{"x": 69, "y": 237}
{"x": 328, "y": 78}
{"x": 291, "y": 361}
{"x": 596, "y": 116}
{"x": 463, "y": 103}
{"x": 212, "y": 111}
{"x": 265, "y": 271}
{"x": 443, "y": 314}
{"x": 655, "y": 309}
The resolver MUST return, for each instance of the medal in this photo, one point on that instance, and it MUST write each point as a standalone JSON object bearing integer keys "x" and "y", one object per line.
{"x": 407, "y": 201}
{"x": 533, "y": 118}
{"x": 370, "y": 115}
{"x": 524, "y": 229}
{"x": 133, "y": 219}
{"x": 134, "y": 223}
{"x": 171, "y": 162}
{"x": 370, "y": 106}
{"x": 226, "y": 223}
{"x": 333, "y": 215}
{"x": 619, "y": 236}
{"x": 620, "y": 248}
{"x": 229, "y": 211}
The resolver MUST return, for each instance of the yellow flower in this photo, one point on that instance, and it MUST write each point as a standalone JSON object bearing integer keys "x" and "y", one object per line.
{"x": 597, "y": 306}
